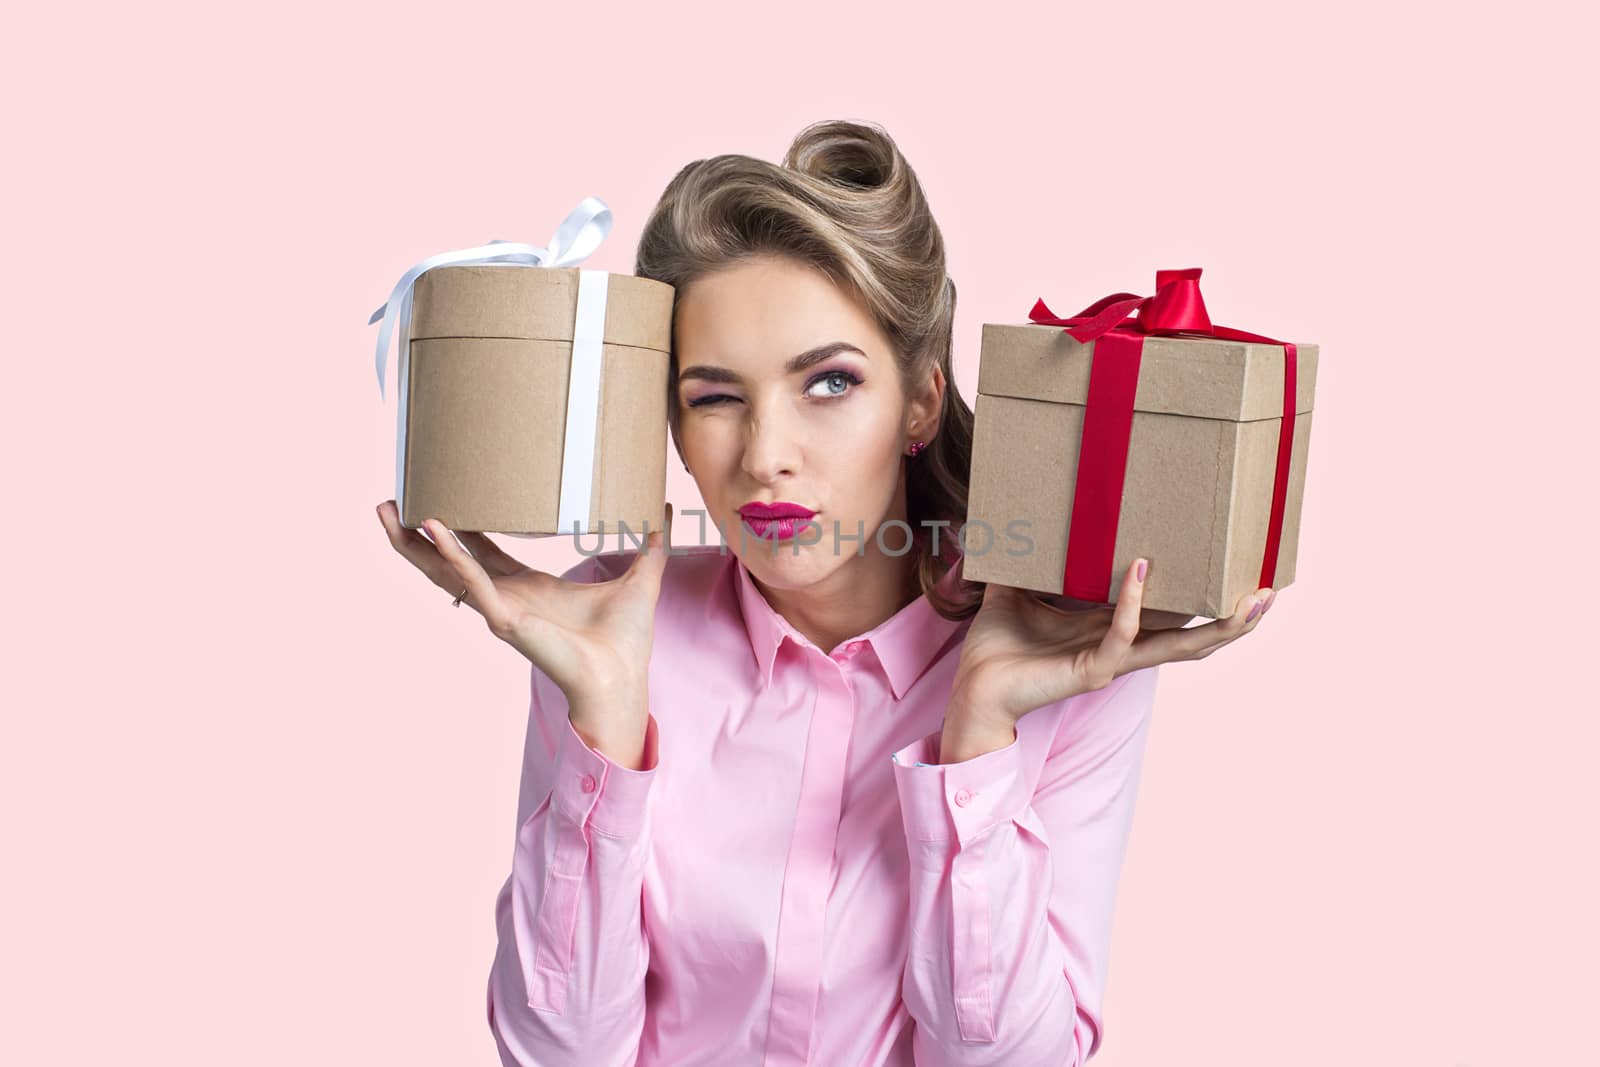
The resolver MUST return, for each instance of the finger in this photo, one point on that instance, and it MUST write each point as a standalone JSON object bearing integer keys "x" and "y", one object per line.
{"x": 1197, "y": 642}
{"x": 481, "y": 593}
{"x": 1248, "y": 614}
{"x": 1106, "y": 661}
{"x": 417, "y": 549}
{"x": 491, "y": 555}
{"x": 652, "y": 561}
{"x": 389, "y": 516}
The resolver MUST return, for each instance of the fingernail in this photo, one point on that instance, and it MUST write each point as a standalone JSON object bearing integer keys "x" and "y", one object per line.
{"x": 1254, "y": 611}
{"x": 1270, "y": 598}
{"x": 1143, "y": 563}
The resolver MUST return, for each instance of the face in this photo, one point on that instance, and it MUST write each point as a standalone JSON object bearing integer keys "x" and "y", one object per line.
{"x": 790, "y": 394}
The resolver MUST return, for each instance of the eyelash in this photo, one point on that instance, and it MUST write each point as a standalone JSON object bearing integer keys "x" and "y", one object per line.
{"x": 851, "y": 378}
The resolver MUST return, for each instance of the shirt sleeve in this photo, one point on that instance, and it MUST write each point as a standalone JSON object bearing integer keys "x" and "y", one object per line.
{"x": 567, "y": 982}
{"x": 1012, "y": 886}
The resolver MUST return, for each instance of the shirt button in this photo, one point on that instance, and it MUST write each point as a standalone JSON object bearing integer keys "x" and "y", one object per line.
{"x": 588, "y": 783}
{"x": 964, "y": 796}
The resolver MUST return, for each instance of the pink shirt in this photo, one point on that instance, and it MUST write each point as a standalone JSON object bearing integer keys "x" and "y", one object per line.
{"x": 786, "y": 883}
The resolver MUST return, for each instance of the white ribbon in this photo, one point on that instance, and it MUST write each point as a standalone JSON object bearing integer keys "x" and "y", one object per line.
{"x": 575, "y": 239}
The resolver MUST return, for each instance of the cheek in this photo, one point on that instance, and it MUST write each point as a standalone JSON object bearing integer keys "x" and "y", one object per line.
{"x": 860, "y": 457}
{"x": 709, "y": 444}
{"x": 877, "y": 433}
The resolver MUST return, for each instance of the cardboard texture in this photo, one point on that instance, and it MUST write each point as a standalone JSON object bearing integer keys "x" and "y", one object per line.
{"x": 1201, "y": 461}
{"x": 485, "y": 400}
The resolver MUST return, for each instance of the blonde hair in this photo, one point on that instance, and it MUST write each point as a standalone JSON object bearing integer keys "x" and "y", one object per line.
{"x": 845, "y": 201}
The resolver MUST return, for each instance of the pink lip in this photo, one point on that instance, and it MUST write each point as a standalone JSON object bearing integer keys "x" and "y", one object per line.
{"x": 781, "y": 509}
{"x": 773, "y": 529}
{"x": 775, "y": 522}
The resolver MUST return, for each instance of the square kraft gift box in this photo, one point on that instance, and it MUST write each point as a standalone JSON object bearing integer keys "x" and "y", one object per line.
{"x": 1100, "y": 439}
{"x": 532, "y": 396}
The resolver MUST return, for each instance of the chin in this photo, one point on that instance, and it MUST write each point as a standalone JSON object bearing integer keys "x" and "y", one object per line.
{"x": 781, "y": 567}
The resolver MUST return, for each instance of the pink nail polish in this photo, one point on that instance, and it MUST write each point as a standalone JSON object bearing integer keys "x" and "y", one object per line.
{"x": 1254, "y": 611}
{"x": 1143, "y": 565}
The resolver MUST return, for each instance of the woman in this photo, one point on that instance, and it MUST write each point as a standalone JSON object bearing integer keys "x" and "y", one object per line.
{"x": 802, "y": 794}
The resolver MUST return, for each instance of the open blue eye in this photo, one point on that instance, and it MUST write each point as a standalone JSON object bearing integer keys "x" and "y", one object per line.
{"x": 833, "y": 376}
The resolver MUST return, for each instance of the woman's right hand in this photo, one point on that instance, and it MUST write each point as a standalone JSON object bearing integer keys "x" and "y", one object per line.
{"x": 592, "y": 639}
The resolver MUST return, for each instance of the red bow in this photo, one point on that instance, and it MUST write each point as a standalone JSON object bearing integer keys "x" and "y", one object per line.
{"x": 1175, "y": 309}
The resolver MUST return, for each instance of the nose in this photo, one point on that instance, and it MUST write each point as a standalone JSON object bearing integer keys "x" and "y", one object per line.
{"x": 771, "y": 449}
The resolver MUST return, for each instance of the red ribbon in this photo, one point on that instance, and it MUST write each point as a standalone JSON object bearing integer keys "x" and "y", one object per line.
{"x": 1175, "y": 309}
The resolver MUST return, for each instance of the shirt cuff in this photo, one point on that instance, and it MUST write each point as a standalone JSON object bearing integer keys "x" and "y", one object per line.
{"x": 593, "y": 790}
{"x": 958, "y": 801}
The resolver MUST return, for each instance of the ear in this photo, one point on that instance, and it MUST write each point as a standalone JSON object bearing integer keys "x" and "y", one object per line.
{"x": 924, "y": 408}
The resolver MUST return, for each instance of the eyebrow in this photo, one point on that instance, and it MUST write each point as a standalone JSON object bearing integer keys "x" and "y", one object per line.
{"x": 809, "y": 358}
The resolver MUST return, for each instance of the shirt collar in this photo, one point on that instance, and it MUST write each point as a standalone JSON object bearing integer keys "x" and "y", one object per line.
{"x": 905, "y": 643}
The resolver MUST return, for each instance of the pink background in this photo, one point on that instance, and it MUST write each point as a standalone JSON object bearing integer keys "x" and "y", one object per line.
{"x": 259, "y": 779}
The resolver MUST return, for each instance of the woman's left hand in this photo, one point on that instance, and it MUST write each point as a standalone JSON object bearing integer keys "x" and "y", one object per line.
{"x": 1022, "y": 653}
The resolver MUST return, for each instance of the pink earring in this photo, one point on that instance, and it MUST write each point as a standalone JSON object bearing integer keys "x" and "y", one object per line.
{"x": 918, "y": 447}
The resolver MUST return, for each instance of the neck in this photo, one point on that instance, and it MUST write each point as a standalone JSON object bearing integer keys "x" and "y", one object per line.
{"x": 858, "y": 596}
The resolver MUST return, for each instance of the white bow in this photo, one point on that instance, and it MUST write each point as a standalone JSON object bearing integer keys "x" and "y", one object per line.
{"x": 575, "y": 239}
